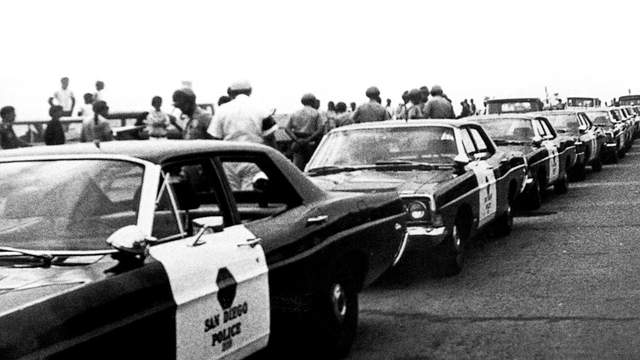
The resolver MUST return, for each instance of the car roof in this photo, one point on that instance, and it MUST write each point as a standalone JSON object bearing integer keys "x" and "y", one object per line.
{"x": 518, "y": 116}
{"x": 404, "y": 123}
{"x": 557, "y": 112}
{"x": 153, "y": 151}
{"x": 515, "y": 99}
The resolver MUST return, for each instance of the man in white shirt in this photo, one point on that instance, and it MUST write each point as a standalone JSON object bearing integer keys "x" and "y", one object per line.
{"x": 64, "y": 97}
{"x": 99, "y": 94}
{"x": 243, "y": 120}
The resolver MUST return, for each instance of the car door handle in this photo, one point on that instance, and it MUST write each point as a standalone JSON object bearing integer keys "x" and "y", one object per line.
{"x": 251, "y": 242}
{"x": 317, "y": 219}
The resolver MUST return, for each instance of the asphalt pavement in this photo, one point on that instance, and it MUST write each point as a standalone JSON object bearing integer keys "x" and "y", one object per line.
{"x": 564, "y": 284}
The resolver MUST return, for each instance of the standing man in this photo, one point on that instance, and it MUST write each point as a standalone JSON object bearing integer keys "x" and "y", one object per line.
{"x": 99, "y": 94}
{"x": 306, "y": 127}
{"x": 198, "y": 120}
{"x": 8, "y": 138}
{"x": 472, "y": 107}
{"x": 372, "y": 110}
{"x": 64, "y": 97}
{"x": 466, "y": 110}
{"x": 438, "y": 107}
{"x": 242, "y": 119}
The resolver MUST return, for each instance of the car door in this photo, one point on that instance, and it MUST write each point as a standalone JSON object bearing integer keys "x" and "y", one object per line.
{"x": 553, "y": 159}
{"x": 594, "y": 136}
{"x": 217, "y": 269}
{"x": 485, "y": 171}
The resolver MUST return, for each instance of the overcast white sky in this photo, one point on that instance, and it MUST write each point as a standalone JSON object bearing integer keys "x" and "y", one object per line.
{"x": 335, "y": 49}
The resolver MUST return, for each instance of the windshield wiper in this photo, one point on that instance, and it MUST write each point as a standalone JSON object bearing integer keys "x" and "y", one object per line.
{"x": 509, "y": 142}
{"x": 413, "y": 164}
{"x": 45, "y": 257}
{"x": 333, "y": 169}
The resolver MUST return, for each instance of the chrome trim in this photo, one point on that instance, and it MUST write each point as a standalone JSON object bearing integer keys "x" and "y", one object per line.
{"x": 403, "y": 247}
{"x": 426, "y": 231}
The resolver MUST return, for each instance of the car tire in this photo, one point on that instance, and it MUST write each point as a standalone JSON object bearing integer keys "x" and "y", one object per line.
{"x": 579, "y": 173}
{"x": 596, "y": 165}
{"x": 561, "y": 185}
{"x": 534, "y": 197}
{"x": 504, "y": 224}
{"x": 613, "y": 157}
{"x": 335, "y": 314}
{"x": 450, "y": 253}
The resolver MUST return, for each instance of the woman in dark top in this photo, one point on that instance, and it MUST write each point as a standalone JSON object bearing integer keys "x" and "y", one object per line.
{"x": 54, "y": 134}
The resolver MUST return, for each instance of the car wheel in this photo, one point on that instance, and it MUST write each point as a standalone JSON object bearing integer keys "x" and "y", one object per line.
{"x": 579, "y": 173}
{"x": 596, "y": 165}
{"x": 562, "y": 185}
{"x": 335, "y": 313}
{"x": 504, "y": 224}
{"x": 451, "y": 252}
{"x": 534, "y": 198}
{"x": 614, "y": 157}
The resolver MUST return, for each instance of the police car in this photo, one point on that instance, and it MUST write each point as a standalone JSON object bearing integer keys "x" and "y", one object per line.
{"x": 180, "y": 250}
{"x": 548, "y": 156}
{"x": 588, "y": 139}
{"x": 452, "y": 178}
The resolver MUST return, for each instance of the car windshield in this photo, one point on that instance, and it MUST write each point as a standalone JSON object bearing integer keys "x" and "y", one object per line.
{"x": 508, "y": 129}
{"x": 630, "y": 100}
{"x": 67, "y": 204}
{"x": 512, "y": 107}
{"x": 358, "y": 147}
{"x": 581, "y": 102}
{"x": 564, "y": 122}
{"x": 600, "y": 118}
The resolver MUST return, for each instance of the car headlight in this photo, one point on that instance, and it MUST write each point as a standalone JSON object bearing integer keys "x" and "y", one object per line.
{"x": 417, "y": 210}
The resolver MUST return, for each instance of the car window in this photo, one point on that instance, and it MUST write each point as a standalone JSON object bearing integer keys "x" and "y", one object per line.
{"x": 484, "y": 150}
{"x": 195, "y": 195}
{"x": 547, "y": 129}
{"x": 467, "y": 143}
{"x": 67, "y": 204}
{"x": 258, "y": 187}
{"x": 537, "y": 126}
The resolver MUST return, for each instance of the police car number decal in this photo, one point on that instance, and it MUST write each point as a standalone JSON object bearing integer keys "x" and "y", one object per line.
{"x": 487, "y": 200}
{"x": 554, "y": 161}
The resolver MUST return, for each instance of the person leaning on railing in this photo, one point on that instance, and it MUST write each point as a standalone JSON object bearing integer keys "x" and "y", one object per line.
{"x": 98, "y": 127}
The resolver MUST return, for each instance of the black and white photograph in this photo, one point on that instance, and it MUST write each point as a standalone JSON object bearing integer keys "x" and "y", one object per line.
{"x": 217, "y": 180}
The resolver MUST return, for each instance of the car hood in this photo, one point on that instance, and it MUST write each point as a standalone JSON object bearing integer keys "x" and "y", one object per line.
{"x": 404, "y": 182}
{"x": 20, "y": 286}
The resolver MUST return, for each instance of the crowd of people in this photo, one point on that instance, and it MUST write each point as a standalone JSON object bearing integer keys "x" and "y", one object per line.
{"x": 237, "y": 117}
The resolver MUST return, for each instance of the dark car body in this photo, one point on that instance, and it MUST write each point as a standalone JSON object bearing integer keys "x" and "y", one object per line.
{"x": 513, "y": 105}
{"x": 214, "y": 243}
{"x": 443, "y": 181}
{"x": 588, "y": 139}
{"x": 621, "y": 115}
{"x": 548, "y": 155}
{"x": 616, "y": 133}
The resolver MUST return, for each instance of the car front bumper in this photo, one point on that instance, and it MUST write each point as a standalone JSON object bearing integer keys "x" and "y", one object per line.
{"x": 423, "y": 236}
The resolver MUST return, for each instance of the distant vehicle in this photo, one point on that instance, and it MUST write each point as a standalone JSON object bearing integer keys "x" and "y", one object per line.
{"x": 583, "y": 102}
{"x": 587, "y": 138}
{"x": 616, "y": 133}
{"x": 453, "y": 179}
{"x": 549, "y": 156}
{"x": 629, "y": 100}
{"x": 514, "y": 105}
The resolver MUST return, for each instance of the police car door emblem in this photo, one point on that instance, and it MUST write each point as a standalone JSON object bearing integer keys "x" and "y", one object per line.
{"x": 227, "y": 287}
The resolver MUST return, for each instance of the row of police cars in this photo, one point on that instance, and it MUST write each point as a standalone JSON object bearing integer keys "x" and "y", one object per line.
{"x": 217, "y": 250}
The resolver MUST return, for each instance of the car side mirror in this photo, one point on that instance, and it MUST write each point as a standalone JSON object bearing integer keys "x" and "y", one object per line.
{"x": 130, "y": 240}
{"x": 537, "y": 141}
{"x": 459, "y": 163}
{"x": 207, "y": 224}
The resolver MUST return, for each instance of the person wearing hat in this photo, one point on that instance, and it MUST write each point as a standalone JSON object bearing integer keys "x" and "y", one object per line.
{"x": 241, "y": 119}
{"x": 305, "y": 126}
{"x": 198, "y": 120}
{"x": 438, "y": 107}
{"x": 372, "y": 110}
